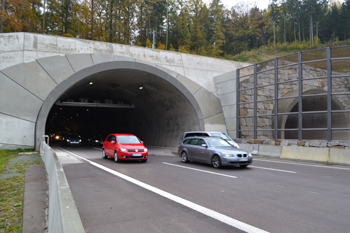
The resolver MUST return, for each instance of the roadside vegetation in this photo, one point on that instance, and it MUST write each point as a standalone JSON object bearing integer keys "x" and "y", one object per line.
{"x": 12, "y": 169}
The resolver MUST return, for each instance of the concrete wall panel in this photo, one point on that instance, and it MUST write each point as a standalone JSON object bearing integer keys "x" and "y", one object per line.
{"x": 32, "y": 77}
{"x": 66, "y": 45}
{"x": 105, "y": 48}
{"x": 305, "y": 153}
{"x": 229, "y": 111}
{"x": 11, "y": 42}
{"x": 228, "y": 99}
{"x": 16, "y": 133}
{"x": 226, "y": 87}
{"x": 215, "y": 123}
{"x": 170, "y": 58}
{"x": 231, "y": 123}
{"x": 269, "y": 150}
{"x": 225, "y": 77}
{"x": 40, "y": 42}
{"x": 209, "y": 104}
{"x": 10, "y": 58}
{"x": 189, "y": 84}
{"x": 20, "y": 102}
{"x": 84, "y": 46}
{"x": 80, "y": 61}
{"x": 339, "y": 156}
{"x": 60, "y": 70}
{"x": 29, "y": 56}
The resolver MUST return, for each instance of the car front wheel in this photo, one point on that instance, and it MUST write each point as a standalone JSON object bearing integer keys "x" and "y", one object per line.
{"x": 116, "y": 157}
{"x": 216, "y": 162}
{"x": 184, "y": 157}
{"x": 104, "y": 154}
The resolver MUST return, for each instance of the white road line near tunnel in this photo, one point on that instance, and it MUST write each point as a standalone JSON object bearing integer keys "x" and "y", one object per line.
{"x": 272, "y": 169}
{"x": 201, "y": 209}
{"x": 309, "y": 165}
{"x": 219, "y": 174}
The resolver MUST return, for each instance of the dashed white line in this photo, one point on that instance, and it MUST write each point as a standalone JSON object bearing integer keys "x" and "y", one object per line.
{"x": 219, "y": 174}
{"x": 208, "y": 212}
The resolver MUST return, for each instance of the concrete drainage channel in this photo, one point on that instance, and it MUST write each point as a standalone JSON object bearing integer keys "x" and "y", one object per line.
{"x": 63, "y": 213}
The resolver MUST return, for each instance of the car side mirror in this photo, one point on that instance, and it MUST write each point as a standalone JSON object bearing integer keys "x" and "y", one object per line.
{"x": 204, "y": 145}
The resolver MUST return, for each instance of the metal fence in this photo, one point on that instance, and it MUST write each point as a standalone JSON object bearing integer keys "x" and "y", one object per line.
{"x": 303, "y": 96}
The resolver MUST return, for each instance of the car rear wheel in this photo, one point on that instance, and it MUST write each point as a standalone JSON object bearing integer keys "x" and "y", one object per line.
{"x": 216, "y": 162}
{"x": 104, "y": 154}
{"x": 184, "y": 157}
{"x": 116, "y": 157}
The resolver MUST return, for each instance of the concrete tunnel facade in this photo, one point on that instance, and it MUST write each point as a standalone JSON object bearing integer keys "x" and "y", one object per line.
{"x": 181, "y": 92}
{"x": 174, "y": 103}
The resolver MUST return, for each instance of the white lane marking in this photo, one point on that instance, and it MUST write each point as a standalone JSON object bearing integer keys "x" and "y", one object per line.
{"x": 201, "y": 209}
{"x": 309, "y": 165}
{"x": 219, "y": 174}
{"x": 272, "y": 169}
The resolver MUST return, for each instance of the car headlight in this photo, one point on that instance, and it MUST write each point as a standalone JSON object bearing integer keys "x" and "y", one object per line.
{"x": 96, "y": 140}
{"x": 68, "y": 140}
{"x": 79, "y": 140}
{"x": 123, "y": 149}
{"x": 145, "y": 150}
{"x": 229, "y": 155}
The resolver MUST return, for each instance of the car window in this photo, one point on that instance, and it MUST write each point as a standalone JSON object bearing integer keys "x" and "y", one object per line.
{"x": 189, "y": 135}
{"x": 194, "y": 141}
{"x": 217, "y": 142}
{"x": 109, "y": 139}
{"x": 187, "y": 141}
{"x": 200, "y": 142}
{"x": 128, "y": 140}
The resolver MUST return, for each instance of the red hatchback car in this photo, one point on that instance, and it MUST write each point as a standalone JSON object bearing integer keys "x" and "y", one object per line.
{"x": 124, "y": 147}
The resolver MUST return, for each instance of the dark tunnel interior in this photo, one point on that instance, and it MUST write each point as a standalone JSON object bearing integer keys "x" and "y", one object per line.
{"x": 124, "y": 101}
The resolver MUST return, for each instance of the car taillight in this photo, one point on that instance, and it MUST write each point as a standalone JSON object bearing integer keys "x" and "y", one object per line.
{"x": 178, "y": 148}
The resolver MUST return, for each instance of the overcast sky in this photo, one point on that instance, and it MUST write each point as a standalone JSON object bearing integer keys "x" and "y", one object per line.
{"x": 262, "y": 4}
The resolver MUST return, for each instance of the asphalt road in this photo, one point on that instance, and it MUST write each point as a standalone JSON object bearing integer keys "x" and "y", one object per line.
{"x": 166, "y": 195}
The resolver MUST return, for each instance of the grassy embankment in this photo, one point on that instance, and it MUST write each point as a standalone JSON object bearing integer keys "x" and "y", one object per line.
{"x": 12, "y": 169}
{"x": 269, "y": 52}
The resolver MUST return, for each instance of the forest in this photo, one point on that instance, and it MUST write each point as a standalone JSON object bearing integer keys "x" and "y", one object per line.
{"x": 189, "y": 26}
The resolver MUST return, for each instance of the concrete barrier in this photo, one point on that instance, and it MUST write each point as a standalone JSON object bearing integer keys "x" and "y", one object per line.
{"x": 270, "y": 150}
{"x": 252, "y": 148}
{"x": 305, "y": 153}
{"x": 63, "y": 213}
{"x": 339, "y": 156}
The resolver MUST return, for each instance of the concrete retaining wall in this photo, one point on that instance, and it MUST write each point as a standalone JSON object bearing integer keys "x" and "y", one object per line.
{"x": 325, "y": 155}
{"x": 63, "y": 213}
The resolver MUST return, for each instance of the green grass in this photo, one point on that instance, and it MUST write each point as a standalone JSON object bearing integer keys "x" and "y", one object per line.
{"x": 12, "y": 189}
{"x": 268, "y": 52}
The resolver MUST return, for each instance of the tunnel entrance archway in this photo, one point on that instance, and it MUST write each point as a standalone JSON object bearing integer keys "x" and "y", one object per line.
{"x": 312, "y": 120}
{"x": 158, "y": 114}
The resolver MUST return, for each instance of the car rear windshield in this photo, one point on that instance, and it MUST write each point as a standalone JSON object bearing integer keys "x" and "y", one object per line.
{"x": 128, "y": 140}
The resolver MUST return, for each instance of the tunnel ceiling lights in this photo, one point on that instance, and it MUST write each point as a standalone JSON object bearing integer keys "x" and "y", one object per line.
{"x": 94, "y": 105}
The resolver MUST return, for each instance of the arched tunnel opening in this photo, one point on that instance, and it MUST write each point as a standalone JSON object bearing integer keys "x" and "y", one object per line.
{"x": 124, "y": 101}
{"x": 316, "y": 120}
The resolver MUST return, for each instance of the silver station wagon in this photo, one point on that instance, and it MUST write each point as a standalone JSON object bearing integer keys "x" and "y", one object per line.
{"x": 214, "y": 151}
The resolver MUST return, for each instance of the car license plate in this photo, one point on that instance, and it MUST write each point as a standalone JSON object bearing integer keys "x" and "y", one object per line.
{"x": 243, "y": 159}
{"x": 136, "y": 154}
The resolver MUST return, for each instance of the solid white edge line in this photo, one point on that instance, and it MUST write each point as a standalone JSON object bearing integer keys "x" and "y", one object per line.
{"x": 272, "y": 169}
{"x": 201, "y": 209}
{"x": 200, "y": 170}
{"x": 309, "y": 165}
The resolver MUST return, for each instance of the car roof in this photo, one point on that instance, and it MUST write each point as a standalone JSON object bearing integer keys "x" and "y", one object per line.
{"x": 123, "y": 134}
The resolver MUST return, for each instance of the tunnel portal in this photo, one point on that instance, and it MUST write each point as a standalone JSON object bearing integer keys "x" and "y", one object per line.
{"x": 123, "y": 101}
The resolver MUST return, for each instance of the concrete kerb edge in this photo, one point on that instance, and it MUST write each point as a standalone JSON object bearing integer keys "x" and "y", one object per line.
{"x": 70, "y": 220}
